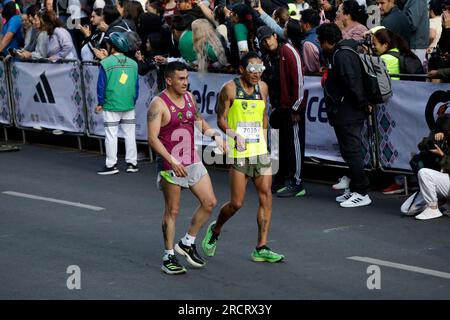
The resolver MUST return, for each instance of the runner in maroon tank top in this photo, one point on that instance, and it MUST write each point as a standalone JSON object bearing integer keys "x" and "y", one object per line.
{"x": 171, "y": 118}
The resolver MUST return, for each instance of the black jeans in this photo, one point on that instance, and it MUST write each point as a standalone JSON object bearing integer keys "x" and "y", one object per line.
{"x": 350, "y": 144}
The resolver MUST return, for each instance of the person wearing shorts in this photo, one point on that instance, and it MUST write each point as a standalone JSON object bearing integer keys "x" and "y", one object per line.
{"x": 171, "y": 118}
{"x": 242, "y": 115}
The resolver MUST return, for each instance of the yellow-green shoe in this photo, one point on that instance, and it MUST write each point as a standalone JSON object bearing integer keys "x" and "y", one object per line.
{"x": 264, "y": 254}
{"x": 209, "y": 241}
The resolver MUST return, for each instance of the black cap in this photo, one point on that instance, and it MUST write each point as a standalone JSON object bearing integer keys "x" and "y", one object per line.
{"x": 263, "y": 32}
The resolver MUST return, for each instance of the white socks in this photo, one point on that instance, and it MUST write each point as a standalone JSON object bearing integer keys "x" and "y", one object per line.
{"x": 188, "y": 240}
{"x": 167, "y": 253}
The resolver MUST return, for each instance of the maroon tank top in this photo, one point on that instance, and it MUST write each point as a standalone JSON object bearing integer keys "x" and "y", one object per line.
{"x": 177, "y": 135}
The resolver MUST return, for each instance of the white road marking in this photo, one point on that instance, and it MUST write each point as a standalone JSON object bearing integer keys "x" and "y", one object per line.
{"x": 337, "y": 229}
{"x": 68, "y": 203}
{"x": 400, "y": 266}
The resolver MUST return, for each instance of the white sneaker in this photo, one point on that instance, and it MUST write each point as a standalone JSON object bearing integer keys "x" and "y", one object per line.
{"x": 428, "y": 214}
{"x": 356, "y": 200}
{"x": 347, "y": 194}
{"x": 344, "y": 183}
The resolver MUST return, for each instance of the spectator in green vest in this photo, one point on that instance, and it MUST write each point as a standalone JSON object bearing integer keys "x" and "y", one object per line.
{"x": 117, "y": 91}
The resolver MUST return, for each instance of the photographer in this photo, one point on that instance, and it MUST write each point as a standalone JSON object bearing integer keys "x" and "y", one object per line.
{"x": 435, "y": 183}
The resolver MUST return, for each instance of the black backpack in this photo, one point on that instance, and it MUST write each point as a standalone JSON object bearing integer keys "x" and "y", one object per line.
{"x": 409, "y": 64}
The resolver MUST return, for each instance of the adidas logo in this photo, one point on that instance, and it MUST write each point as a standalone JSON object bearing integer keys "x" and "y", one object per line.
{"x": 44, "y": 92}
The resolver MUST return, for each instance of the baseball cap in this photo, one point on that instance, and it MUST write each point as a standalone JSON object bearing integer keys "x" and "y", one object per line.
{"x": 263, "y": 32}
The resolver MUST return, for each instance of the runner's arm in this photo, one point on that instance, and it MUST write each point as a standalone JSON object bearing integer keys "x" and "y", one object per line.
{"x": 206, "y": 129}
{"x": 265, "y": 95}
{"x": 224, "y": 101}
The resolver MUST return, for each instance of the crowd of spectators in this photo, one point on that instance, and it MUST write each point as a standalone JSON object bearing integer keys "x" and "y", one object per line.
{"x": 213, "y": 35}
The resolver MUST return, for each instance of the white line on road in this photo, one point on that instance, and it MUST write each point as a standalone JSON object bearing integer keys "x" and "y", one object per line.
{"x": 74, "y": 204}
{"x": 429, "y": 272}
{"x": 337, "y": 229}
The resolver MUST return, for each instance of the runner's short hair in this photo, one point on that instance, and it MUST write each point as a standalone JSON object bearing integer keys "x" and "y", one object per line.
{"x": 172, "y": 67}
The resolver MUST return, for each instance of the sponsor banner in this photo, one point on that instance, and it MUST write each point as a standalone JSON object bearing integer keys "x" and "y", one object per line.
{"x": 48, "y": 95}
{"x": 321, "y": 141}
{"x": 5, "y": 111}
{"x": 407, "y": 118}
{"x": 205, "y": 88}
{"x": 147, "y": 90}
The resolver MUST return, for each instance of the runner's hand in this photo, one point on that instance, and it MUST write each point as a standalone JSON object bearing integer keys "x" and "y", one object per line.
{"x": 178, "y": 168}
{"x": 98, "y": 109}
{"x": 221, "y": 144}
{"x": 240, "y": 143}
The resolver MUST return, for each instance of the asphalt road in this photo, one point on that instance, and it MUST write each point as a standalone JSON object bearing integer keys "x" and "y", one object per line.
{"x": 110, "y": 228}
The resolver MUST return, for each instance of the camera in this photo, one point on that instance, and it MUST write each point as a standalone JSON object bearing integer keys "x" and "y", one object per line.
{"x": 366, "y": 43}
{"x": 428, "y": 144}
{"x": 437, "y": 59}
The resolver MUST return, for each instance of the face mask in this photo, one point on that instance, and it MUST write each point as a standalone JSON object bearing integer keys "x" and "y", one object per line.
{"x": 253, "y": 68}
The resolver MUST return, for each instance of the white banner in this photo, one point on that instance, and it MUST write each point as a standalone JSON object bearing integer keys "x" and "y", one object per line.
{"x": 206, "y": 87}
{"x": 48, "y": 95}
{"x": 402, "y": 123}
{"x": 147, "y": 90}
{"x": 5, "y": 111}
{"x": 321, "y": 140}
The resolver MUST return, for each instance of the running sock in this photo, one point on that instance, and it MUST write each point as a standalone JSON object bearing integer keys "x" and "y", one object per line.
{"x": 167, "y": 253}
{"x": 188, "y": 240}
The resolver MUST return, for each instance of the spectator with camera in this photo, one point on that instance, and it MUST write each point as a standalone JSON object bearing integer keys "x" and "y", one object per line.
{"x": 434, "y": 180}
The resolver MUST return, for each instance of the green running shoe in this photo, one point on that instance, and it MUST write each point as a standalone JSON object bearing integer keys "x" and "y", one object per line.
{"x": 209, "y": 241}
{"x": 172, "y": 266}
{"x": 266, "y": 255}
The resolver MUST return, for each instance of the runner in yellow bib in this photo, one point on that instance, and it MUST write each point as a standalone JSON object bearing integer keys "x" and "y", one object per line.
{"x": 242, "y": 115}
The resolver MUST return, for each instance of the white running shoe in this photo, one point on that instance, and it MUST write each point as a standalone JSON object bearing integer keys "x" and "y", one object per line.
{"x": 429, "y": 213}
{"x": 344, "y": 183}
{"x": 347, "y": 194}
{"x": 356, "y": 200}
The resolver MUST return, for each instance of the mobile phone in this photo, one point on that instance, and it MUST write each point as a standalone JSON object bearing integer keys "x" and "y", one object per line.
{"x": 254, "y": 3}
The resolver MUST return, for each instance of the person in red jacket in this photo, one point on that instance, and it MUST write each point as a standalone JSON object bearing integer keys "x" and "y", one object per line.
{"x": 284, "y": 75}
